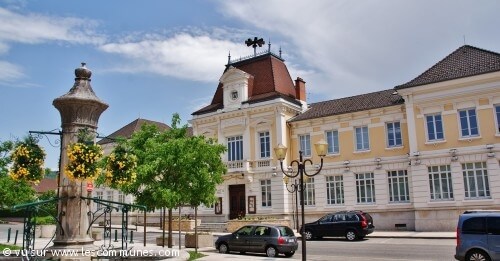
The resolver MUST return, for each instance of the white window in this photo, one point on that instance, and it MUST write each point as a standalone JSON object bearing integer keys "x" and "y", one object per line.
{"x": 235, "y": 148}
{"x": 440, "y": 183}
{"x": 468, "y": 123}
{"x": 265, "y": 186}
{"x": 121, "y": 197}
{"x": 476, "y": 180}
{"x": 334, "y": 190}
{"x": 309, "y": 193}
{"x": 332, "y": 138}
{"x": 394, "y": 138}
{"x": 497, "y": 114}
{"x": 365, "y": 188}
{"x": 434, "y": 127}
{"x": 109, "y": 195}
{"x": 398, "y": 186}
{"x": 362, "y": 138}
{"x": 99, "y": 195}
{"x": 305, "y": 145}
{"x": 265, "y": 144}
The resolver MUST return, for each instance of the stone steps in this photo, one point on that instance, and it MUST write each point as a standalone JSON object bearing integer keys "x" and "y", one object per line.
{"x": 212, "y": 227}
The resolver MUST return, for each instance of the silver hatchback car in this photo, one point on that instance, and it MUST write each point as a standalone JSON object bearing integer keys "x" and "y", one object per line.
{"x": 478, "y": 236}
{"x": 259, "y": 238}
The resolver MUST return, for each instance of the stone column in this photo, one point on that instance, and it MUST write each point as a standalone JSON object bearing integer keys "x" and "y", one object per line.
{"x": 80, "y": 109}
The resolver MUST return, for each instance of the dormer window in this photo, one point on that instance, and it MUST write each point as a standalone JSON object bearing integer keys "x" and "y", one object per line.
{"x": 234, "y": 95}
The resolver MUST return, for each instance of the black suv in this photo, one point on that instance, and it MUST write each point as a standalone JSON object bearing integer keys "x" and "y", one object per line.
{"x": 349, "y": 224}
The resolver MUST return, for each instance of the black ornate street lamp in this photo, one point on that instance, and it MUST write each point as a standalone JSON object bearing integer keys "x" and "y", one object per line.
{"x": 280, "y": 152}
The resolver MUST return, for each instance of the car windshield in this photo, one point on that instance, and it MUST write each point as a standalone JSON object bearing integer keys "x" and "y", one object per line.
{"x": 286, "y": 231}
{"x": 244, "y": 231}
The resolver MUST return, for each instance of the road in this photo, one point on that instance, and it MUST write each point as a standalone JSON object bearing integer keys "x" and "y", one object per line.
{"x": 380, "y": 249}
{"x": 340, "y": 249}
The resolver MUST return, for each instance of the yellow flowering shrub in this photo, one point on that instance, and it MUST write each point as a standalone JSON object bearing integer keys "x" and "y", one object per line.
{"x": 120, "y": 167}
{"x": 83, "y": 161}
{"x": 27, "y": 158}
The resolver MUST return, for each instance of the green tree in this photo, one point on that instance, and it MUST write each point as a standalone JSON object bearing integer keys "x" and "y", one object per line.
{"x": 48, "y": 208}
{"x": 11, "y": 192}
{"x": 173, "y": 168}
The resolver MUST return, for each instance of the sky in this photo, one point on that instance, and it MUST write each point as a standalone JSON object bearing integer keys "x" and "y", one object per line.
{"x": 151, "y": 59}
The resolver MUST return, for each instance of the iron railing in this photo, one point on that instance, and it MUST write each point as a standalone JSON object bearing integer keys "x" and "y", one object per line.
{"x": 32, "y": 211}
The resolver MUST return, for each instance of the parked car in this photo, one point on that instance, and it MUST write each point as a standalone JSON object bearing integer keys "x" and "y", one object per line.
{"x": 259, "y": 238}
{"x": 478, "y": 236}
{"x": 352, "y": 225}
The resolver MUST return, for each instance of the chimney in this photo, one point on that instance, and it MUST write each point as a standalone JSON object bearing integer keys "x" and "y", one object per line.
{"x": 300, "y": 89}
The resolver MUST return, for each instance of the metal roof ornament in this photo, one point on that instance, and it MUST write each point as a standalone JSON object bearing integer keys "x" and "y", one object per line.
{"x": 254, "y": 43}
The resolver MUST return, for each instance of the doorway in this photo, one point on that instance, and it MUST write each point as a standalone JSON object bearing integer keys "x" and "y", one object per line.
{"x": 237, "y": 206}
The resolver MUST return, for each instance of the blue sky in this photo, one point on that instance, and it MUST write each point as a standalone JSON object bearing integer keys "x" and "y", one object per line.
{"x": 153, "y": 58}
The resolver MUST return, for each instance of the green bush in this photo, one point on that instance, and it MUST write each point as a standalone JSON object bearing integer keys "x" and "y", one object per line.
{"x": 47, "y": 220}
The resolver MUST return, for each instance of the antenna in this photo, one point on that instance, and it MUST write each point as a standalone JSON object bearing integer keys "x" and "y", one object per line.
{"x": 464, "y": 39}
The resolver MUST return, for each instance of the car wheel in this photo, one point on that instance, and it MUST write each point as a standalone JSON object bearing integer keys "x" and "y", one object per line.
{"x": 350, "y": 235}
{"x": 308, "y": 235}
{"x": 289, "y": 254}
{"x": 271, "y": 251}
{"x": 477, "y": 255}
{"x": 223, "y": 248}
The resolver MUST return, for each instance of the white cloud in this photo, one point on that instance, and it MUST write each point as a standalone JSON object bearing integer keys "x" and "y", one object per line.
{"x": 34, "y": 28}
{"x": 183, "y": 55}
{"x": 353, "y": 48}
{"x": 9, "y": 73}
{"x": 4, "y": 48}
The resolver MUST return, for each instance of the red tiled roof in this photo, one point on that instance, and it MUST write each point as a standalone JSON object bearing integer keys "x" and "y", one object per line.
{"x": 464, "y": 62}
{"x": 269, "y": 79}
{"x": 127, "y": 130}
{"x": 361, "y": 102}
{"x": 45, "y": 185}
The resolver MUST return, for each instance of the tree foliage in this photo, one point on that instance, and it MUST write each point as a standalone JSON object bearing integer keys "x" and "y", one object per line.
{"x": 173, "y": 168}
{"x": 11, "y": 192}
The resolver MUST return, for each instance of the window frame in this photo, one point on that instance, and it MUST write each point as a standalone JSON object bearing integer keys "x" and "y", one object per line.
{"x": 367, "y": 182}
{"x": 435, "y": 133}
{"x": 309, "y": 192}
{"x": 266, "y": 145}
{"x": 238, "y": 155}
{"x": 485, "y": 180}
{"x": 335, "y": 188}
{"x": 436, "y": 175}
{"x": 266, "y": 193}
{"x": 496, "y": 107}
{"x": 394, "y": 134}
{"x": 305, "y": 144}
{"x": 394, "y": 182}
{"x": 333, "y": 143}
{"x": 469, "y": 120}
{"x": 363, "y": 138}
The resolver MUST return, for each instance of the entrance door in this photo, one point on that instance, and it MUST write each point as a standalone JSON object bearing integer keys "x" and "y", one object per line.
{"x": 236, "y": 201}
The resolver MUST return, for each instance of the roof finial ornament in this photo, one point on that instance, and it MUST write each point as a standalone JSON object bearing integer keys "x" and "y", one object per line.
{"x": 254, "y": 44}
{"x": 229, "y": 58}
{"x": 280, "y": 51}
{"x": 269, "y": 45}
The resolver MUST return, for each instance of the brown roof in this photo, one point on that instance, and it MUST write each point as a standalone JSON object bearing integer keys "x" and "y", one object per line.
{"x": 464, "y": 62}
{"x": 361, "y": 102}
{"x": 269, "y": 79}
{"x": 45, "y": 185}
{"x": 127, "y": 130}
